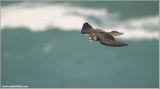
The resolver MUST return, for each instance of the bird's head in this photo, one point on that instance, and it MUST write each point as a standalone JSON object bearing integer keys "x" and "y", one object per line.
{"x": 92, "y": 36}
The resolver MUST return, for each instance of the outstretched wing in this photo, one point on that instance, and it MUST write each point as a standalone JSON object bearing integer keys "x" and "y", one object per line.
{"x": 117, "y": 44}
{"x": 87, "y": 29}
{"x": 107, "y": 39}
{"x": 115, "y": 33}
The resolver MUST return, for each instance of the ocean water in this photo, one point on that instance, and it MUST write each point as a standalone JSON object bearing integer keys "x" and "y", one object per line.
{"x": 42, "y": 47}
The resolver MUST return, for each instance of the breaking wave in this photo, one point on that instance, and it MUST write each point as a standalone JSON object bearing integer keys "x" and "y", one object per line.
{"x": 40, "y": 17}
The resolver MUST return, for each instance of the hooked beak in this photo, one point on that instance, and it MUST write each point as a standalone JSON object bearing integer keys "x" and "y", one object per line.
{"x": 90, "y": 39}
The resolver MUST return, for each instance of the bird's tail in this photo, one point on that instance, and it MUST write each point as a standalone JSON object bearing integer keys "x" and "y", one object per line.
{"x": 85, "y": 27}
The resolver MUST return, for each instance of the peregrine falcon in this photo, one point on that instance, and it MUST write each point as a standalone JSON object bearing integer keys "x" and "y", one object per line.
{"x": 105, "y": 38}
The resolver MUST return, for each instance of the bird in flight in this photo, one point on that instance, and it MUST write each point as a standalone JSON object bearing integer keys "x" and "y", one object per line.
{"x": 105, "y": 38}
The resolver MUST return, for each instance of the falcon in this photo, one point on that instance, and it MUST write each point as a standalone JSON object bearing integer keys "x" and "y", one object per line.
{"x": 105, "y": 38}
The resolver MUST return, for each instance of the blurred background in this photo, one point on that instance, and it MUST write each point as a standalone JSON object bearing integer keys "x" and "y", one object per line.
{"x": 42, "y": 47}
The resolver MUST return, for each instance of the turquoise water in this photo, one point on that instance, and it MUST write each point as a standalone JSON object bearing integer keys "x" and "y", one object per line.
{"x": 56, "y": 58}
{"x": 75, "y": 62}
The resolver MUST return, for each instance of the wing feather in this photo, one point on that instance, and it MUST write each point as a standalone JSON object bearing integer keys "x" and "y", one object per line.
{"x": 87, "y": 29}
{"x": 115, "y": 33}
{"x": 107, "y": 39}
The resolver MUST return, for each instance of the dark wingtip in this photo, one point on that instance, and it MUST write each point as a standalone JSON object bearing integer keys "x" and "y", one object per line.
{"x": 119, "y": 44}
{"x": 125, "y": 44}
{"x": 86, "y": 26}
{"x": 86, "y": 23}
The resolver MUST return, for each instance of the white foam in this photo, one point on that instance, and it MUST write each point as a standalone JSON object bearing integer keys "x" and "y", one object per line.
{"x": 40, "y": 17}
{"x": 135, "y": 29}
